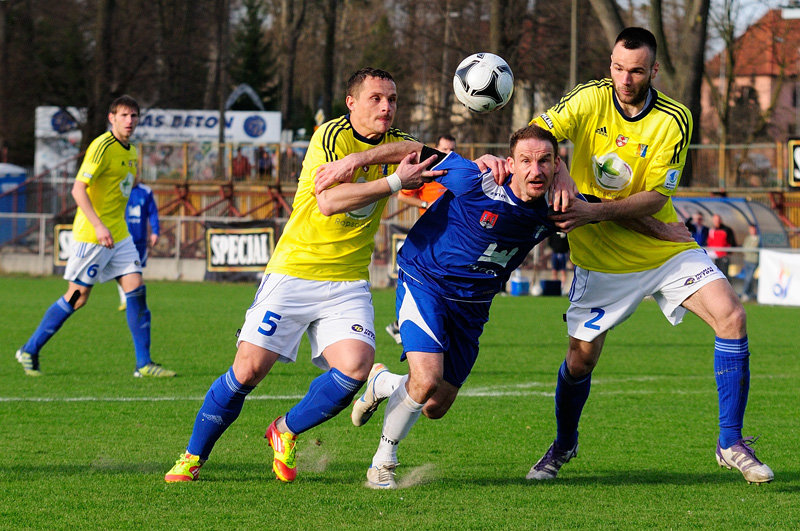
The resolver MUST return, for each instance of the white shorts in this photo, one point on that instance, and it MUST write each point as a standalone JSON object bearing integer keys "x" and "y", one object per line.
{"x": 92, "y": 263}
{"x": 330, "y": 311}
{"x": 600, "y": 301}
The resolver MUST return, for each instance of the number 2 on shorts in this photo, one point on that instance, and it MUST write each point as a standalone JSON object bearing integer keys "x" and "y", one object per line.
{"x": 591, "y": 322}
{"x": 271, "y": 321}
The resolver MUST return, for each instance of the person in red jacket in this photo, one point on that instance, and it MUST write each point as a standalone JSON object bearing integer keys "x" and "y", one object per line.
{"x": 720, "y": 236}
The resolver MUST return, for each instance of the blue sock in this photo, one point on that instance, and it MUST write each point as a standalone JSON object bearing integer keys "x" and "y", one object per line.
{"x": 327, "y": 395}
{"x": 732, "y": 372}
{"x": 53, "y": 318}
{"x": 221, "y": 407}
{"x": 139, "y": 323}
{"x": 571, "y": 395}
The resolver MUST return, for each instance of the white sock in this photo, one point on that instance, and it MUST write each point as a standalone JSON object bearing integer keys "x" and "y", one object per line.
{"x": 401, "y": 414}
{"x": 386, "y": 382}
{"x": 122, "y": 299}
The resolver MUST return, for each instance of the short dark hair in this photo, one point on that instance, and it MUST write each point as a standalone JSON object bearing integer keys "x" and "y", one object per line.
{"x": 633, "y": 38}
{"x": 449, "y": 138}
{"x": 123, "y": 101}
{"x": 532, "y": 131}
{"x": 358, "y": 77}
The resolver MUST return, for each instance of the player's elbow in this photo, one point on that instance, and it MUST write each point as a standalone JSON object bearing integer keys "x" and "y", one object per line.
{"x": 327, "y": 207}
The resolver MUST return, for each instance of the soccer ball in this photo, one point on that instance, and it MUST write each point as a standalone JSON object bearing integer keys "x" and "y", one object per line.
{"x": 483, "y": 82}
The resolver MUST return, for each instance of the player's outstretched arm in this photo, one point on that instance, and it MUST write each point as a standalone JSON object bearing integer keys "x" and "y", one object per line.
{"x": 650, "y": 226}
{"x": 638, "y": 205}
{"x": 351, "y": 196}
{"x": 342, "y": 170}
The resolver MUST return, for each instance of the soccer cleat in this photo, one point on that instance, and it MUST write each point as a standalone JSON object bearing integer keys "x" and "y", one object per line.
{"x": 283, "y": 446}
{"x": 186, "y": 468}
{"x": 29, "y": 362}
{"x": 153, "y": 370}
{"x": 393, "y": 329}
{"x": 381, "y": 476}
{"x": 368, "y": 403}
{"x": 548, "y": 466}
{"x": 122, "y": 306}
{"x": 742, "y": 457}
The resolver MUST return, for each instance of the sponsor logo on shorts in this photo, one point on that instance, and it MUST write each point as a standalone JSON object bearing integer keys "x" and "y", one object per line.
{"x": 699, "y": 276}
{"x": 360, "y": 329}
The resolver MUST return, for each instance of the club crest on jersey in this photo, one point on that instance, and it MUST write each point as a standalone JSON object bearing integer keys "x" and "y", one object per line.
{"x": 671, "y": 180}
{"x": 488, "y": 219}
{"x": 622, "y": 140}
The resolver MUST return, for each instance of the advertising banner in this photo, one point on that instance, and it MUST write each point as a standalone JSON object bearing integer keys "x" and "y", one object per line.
{"x": 62, "y": 244}
{"x": 238, "y": 247}
{"x": 776, "y": 278}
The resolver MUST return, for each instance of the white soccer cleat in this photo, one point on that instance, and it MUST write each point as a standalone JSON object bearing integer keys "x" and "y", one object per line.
{"x": 381, "y": 476}
{"x": 742, "y": 457}
{"x": 551, "y": 462}
{"x": 368, "y": 403}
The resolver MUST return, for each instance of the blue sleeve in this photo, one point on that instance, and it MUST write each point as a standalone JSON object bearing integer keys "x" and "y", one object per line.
{"x": 462, "y": 175}
{"x": 152, "y": 214}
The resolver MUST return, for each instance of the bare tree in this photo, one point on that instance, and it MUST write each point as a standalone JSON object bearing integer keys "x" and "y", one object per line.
{"x": 292, "y": 14}
{"x": 681, "y": 47}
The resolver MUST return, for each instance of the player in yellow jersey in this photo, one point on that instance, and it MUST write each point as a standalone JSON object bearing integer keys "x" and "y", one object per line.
{"x": 317, "y": 282}
{"x": 630, "y": 144}
{"x": 102, "y": 249}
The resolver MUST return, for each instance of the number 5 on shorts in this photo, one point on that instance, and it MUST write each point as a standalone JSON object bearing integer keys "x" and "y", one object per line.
{"x": 599, "y": 313}
{"x": 271, "y": 321}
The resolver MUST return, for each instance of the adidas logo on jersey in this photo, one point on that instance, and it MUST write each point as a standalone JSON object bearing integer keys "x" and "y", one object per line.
{"x": 601, "y": 131}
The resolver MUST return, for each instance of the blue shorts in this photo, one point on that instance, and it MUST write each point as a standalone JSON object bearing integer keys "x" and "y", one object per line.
{"x": 559, "y": 261}
{"x": 432, "y": 323}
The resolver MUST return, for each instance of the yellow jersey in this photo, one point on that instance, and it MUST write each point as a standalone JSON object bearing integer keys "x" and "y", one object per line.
{"x": 614, "y": 157}
{"x": 109, "y": 170}
{"x": 337, "y": 247}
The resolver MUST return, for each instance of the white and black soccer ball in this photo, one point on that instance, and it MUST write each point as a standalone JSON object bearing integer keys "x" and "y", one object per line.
{"x": 483, "y": 82}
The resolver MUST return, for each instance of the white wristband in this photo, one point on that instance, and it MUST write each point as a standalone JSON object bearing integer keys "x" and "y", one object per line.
{"x": 394, "y": 182}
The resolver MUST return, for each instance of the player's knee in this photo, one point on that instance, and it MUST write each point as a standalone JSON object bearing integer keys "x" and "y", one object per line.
{"x": 580, "y": 367}
{"x": 734, "y": 323}
{"x": 77, "y": 299}
{"x": 424, "y": 384}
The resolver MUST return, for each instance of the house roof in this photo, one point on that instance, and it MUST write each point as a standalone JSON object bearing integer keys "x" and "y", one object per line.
{"x": 766, "y": 47}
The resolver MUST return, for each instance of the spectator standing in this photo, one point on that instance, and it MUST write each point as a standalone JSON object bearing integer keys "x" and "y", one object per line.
{"x": 751, "y": 242}
{"x": 559, "y": 244}
{"x": 264, "y": 163}
{"x": 240, "y": 166}
{"x": 720, "y": 236}
{"x": 698, "y": 230}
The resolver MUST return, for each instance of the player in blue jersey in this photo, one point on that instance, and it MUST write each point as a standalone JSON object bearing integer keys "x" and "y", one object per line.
{"x": 140, "y": 211}
{"x": 454, "y": 260}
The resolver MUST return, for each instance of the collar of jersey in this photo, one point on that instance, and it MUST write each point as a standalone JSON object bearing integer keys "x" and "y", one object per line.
{"x": 645, "y": 111}
{"x": 371, "y": 141}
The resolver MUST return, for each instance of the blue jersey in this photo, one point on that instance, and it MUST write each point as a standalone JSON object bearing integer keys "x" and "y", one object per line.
{"x": 469, "y": 242}
{"x": 141, "y": 209}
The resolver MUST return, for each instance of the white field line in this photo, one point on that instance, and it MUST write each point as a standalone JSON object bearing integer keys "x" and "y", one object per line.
{"x": 545, "y": 389}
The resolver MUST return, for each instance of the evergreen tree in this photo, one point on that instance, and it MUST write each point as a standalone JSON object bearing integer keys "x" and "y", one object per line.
{"x": 252, "y": 59}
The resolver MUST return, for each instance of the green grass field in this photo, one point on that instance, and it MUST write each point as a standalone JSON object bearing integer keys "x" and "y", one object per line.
{"x": 86, "y": 445}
